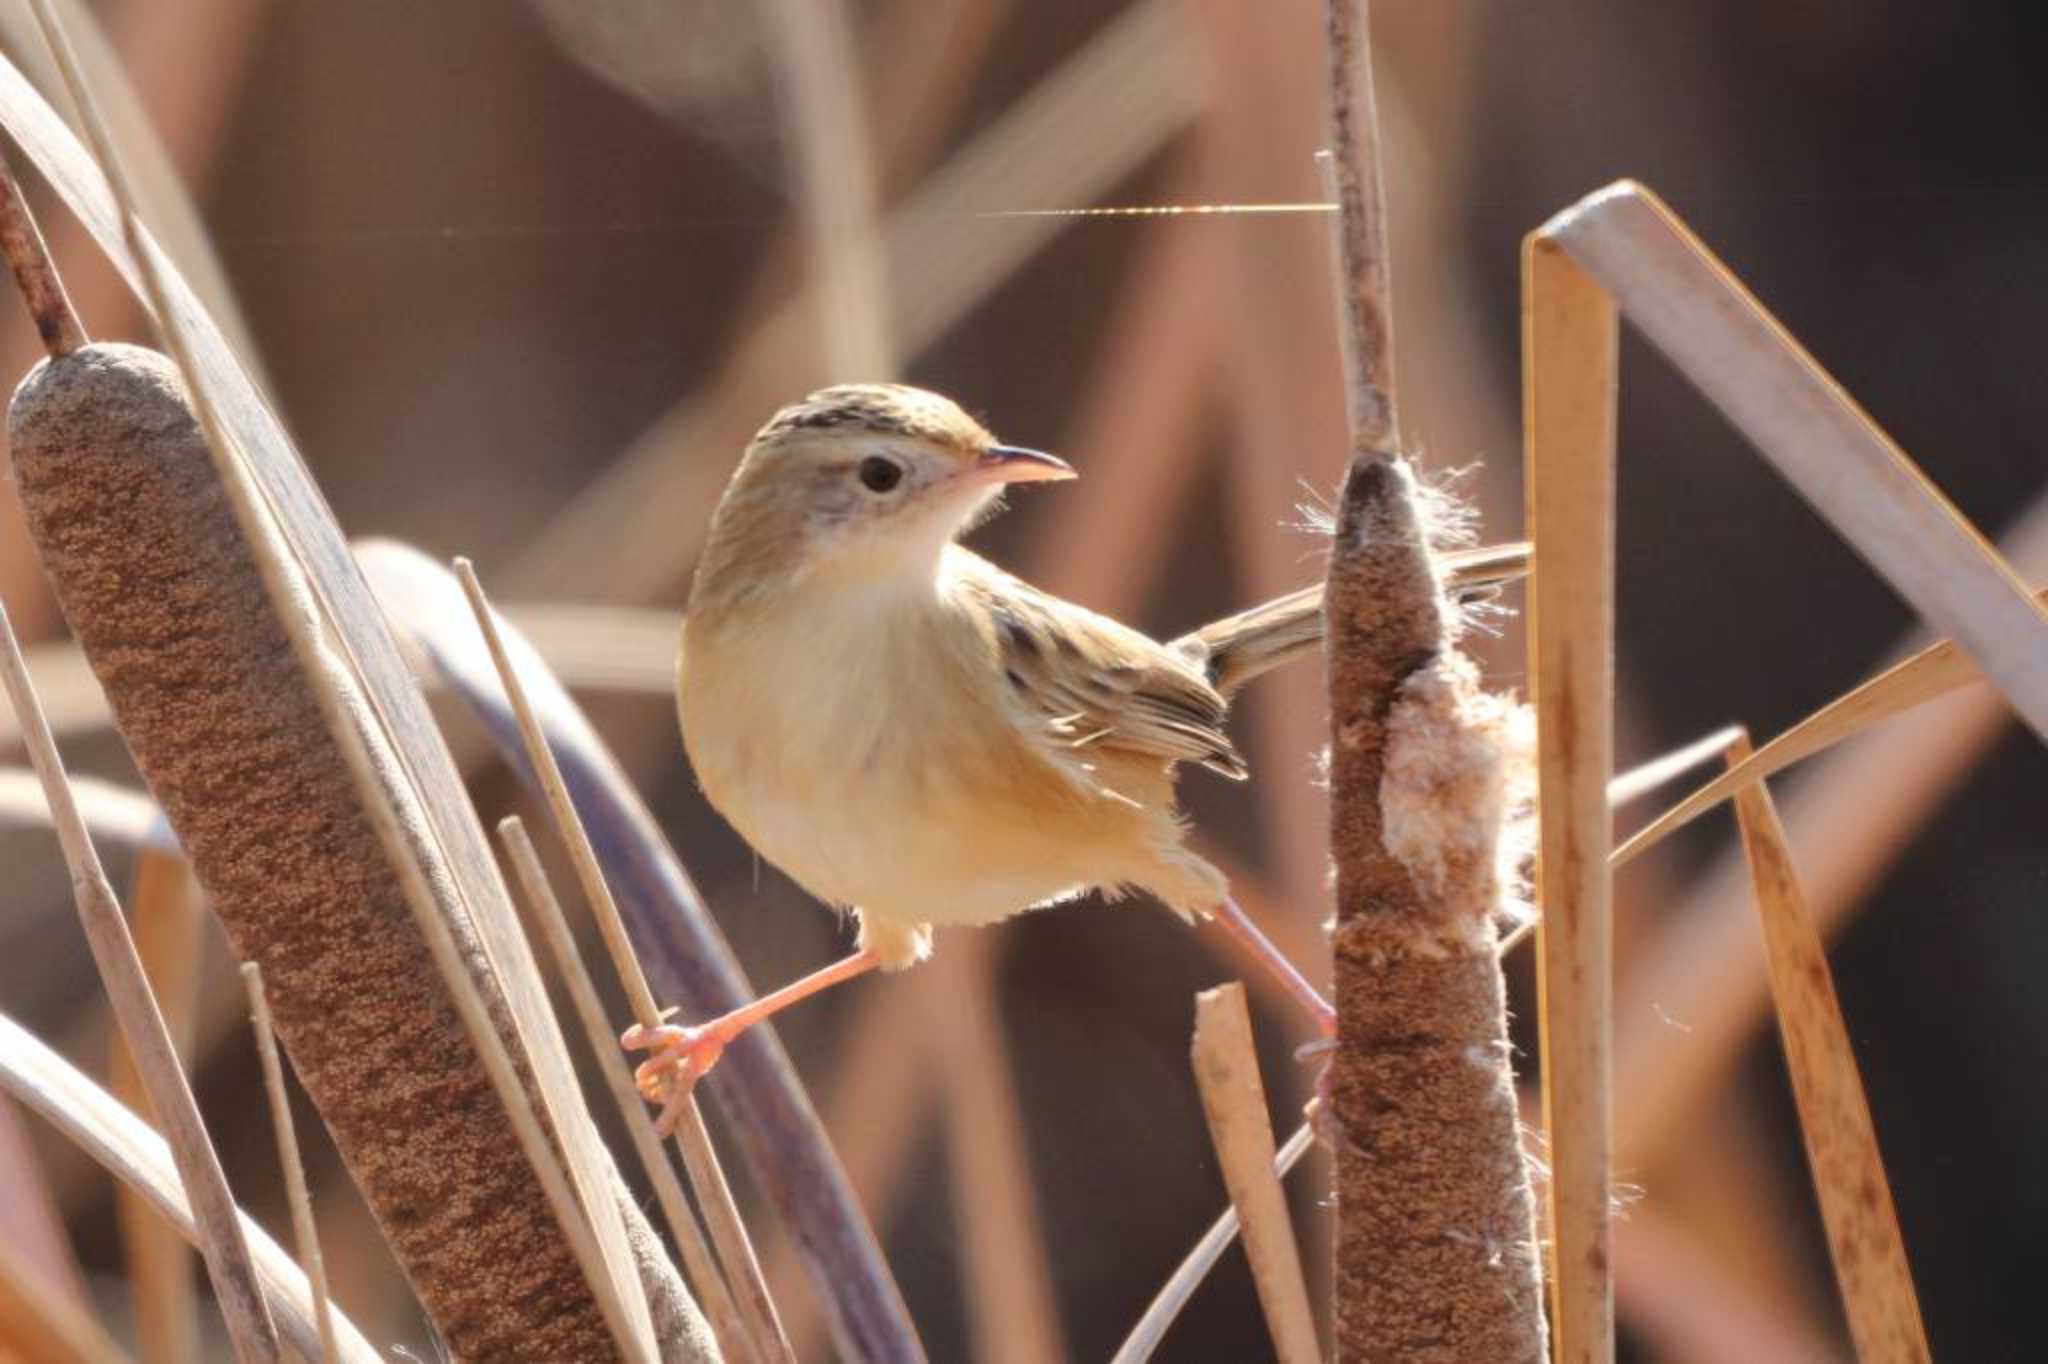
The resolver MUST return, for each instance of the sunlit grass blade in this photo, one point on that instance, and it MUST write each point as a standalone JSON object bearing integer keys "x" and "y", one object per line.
{"x": 705, "y": 1275}
{"x": 1568, "y": 393}
{"x": 728, "y": 1230}
{"x": 1812, "y": 432}
{"x": 1934, "y": 671}
{"x": 1834, "y": 1116}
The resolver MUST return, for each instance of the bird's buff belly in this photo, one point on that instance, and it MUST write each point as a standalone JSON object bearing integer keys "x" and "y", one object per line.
{"x": 907, "y": 869}
{"x": 892, "y": 840}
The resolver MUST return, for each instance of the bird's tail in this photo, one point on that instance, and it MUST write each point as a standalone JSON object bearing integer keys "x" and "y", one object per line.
{"x": 1238, "y": 648}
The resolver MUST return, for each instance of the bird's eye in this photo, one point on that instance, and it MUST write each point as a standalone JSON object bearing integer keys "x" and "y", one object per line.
{"x": 879, "y": 475}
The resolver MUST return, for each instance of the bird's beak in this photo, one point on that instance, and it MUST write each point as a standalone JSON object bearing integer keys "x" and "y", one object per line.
{"x": 1009, "y": 464}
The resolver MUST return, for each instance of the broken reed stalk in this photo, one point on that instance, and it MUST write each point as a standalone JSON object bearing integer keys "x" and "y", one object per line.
{"x": 693, "y": 1139}
{"x": 698, "y": 1261}
{"x": 1187, "y": 1276}
{"x": 1834, "y": 1116}
{"x": 304, "y": 1233}
{"x": 1568, "y": 392}
{"x": 1234, "y": 1101}
{"x": 250, "y": 1330}
{"x": 166, "y": 917}
{"x": 121, "y": 490}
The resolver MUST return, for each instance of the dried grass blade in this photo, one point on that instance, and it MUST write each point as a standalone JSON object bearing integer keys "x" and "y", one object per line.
{"x": 791, "y": 1159}
{"x": 1234, "y": 1101}
{"x": 129, "y": 1150}
{"x": 250, "y": 1329}
{"x": 1695, "y": 311}
{"x": 1568, "y": 392}
{"x": 1834, "y": 1116}
{"x": 304, "y": 1232}
{"x": 705, "y": 1275}
{"x": 166, "y": 914}
{"x": 1639, "y": 781}
{"x": 1187, "y": 1276}
{"x": 735, "y": 1247}
{"x": 1934, "y": 671}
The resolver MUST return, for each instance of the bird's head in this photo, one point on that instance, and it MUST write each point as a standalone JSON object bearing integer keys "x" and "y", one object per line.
{"x": 866, "y": 480}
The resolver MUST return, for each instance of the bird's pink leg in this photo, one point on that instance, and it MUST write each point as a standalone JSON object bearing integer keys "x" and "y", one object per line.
{"x": 684, "y": 1054}
{"x": 1230, "y": 916}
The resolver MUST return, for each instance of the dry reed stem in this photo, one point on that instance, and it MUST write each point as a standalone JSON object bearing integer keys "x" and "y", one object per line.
{"x": 811, "y": 42}
{"x": 167, "y": 142}
{"x": 1084, "y": 128}
{"x": 250, "y": 1329}
{"x": 705, "y": 1276}
{"x": 1834, "y": 1116}
{"x": 133, "y": 1153}
{"x": 926, "y": 82}
{"x": 1173, "y": 1295}
{"x": 305, "y": 1235}
{"x": 1234, "y": 1102}
{"x": 684, "y": 952}
{"x": 880, "y": 1097}
{"x": 46, "y": 1327}
{"x": 1568, "y": 391}
{"x": 32, "y": 1213}
{"x": 1435, "y": 1235}
{"x": 42, "y": 288}
{"x": 1011, "y": 1306}
{"x": 735, "y": 1247}
{"x": 1932, "y": 672}
{"x": 1364, "y": 293}
{"x": 1681, "y": 1301}
{"x": 1812, "y": 432}
{"x": 1138, "y": 421}
{"x": 166, "y": 915}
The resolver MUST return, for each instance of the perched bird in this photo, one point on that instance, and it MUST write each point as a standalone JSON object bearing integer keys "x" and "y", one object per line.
{"x": 912, "y": 733}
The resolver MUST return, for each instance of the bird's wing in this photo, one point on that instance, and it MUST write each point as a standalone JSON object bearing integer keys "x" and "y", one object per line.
{"x": 1095, "y": 684}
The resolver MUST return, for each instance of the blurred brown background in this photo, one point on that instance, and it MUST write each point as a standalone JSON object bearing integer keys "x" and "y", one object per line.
{"x": 525, "y": 276}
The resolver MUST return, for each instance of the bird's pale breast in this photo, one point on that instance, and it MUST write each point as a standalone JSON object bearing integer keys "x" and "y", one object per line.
{"x": 864, "y": 746}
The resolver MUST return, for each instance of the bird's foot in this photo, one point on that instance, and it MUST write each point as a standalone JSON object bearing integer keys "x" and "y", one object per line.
{"x": 682, "y": 1056}
{"x": 1320, "y": 1110}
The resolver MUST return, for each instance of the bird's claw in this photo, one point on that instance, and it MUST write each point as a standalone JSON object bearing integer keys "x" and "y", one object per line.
{"x": 682, "y": 1056}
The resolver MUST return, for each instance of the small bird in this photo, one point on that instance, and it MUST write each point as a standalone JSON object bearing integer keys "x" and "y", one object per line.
{"x": 914, "y": 734}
